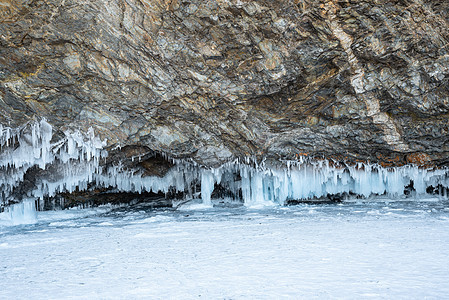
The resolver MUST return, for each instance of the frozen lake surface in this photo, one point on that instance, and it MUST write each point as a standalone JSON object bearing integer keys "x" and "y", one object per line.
{"x": 350, "y": 250}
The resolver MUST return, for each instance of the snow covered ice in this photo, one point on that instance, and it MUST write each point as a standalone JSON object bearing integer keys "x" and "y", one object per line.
{"x": 385, "y": 249}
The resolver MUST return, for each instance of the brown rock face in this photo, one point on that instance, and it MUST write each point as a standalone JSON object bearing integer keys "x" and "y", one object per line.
{"x": 216, "y": 80}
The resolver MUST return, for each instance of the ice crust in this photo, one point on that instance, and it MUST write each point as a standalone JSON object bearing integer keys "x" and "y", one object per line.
{"x": 73, "y": 162}
{"x": 353, "y": 251}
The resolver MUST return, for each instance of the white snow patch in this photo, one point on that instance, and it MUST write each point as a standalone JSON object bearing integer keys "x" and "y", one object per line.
{"x": 336, "y": 252}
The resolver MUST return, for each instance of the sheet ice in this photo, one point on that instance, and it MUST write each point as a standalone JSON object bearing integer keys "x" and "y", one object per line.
{"x": 395, "y": 250}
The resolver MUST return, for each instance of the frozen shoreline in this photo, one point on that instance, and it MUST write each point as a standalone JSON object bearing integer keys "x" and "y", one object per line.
{"x": 378, "y": 250}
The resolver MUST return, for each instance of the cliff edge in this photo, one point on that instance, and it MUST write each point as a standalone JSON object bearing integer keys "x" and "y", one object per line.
{"x": 217, "y": 80}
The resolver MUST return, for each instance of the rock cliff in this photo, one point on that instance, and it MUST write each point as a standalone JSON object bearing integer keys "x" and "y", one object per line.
{"x": 217, "y": 80}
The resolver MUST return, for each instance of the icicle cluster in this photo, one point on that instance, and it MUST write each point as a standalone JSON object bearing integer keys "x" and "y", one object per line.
{"x": 133, "y": 181}
{"x": 317, "y": 179}
{"x": 296, "y": 181}
{"x": 22, "y": 213}
{"x": 76, "y": 156}
{"x": 74, "y": 163}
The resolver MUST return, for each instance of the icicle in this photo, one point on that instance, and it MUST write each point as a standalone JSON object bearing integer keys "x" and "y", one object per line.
{"x": 23, "y": 213}
{"x": 207, "y": 186}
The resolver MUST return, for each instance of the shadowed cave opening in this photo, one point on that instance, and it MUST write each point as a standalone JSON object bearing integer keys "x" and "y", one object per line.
{"x": 227, "y": 193}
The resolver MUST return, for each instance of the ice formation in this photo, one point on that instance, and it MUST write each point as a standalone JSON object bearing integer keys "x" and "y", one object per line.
{"x": 208, "y": 180}
{"x": 256, "y": 186}
{"x": 75, "y": 158}
{"x": 73, "y": 163}
{"x": 308, "y": 180}
{"x": 20, "y": 213}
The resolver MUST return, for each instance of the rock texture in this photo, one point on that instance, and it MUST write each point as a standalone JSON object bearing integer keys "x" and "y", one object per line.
{"x": 221, "y": 79}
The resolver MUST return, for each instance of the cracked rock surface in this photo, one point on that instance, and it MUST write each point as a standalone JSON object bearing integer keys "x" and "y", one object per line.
{"x": 216, "y": 80}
